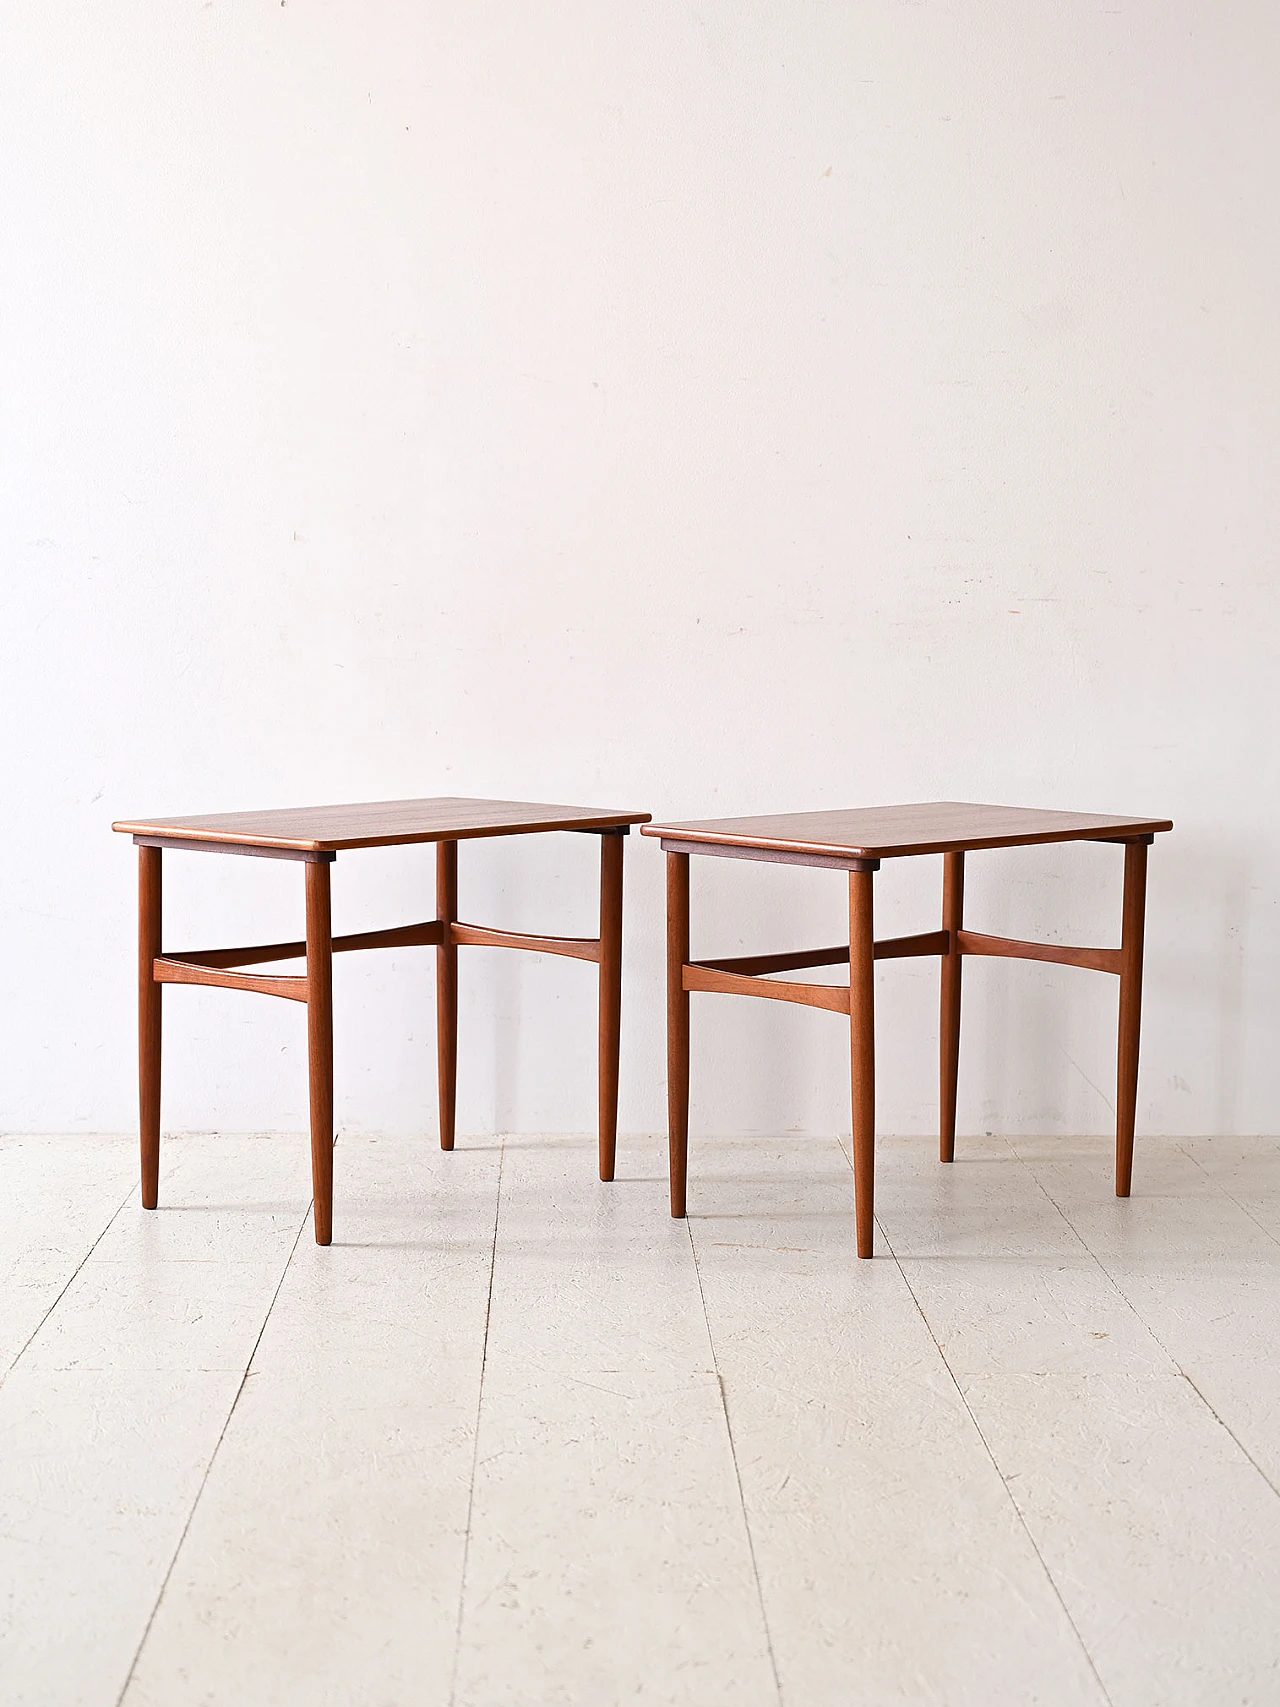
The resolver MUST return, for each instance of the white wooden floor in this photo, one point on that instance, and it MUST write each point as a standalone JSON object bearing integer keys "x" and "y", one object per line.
{"x": 517, "y": 1437}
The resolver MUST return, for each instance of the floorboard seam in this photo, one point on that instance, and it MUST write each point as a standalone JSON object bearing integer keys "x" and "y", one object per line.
{"x": 70, "y": 1280}
{"x": 475, "y": 1445}
{"x": 1175, "y": 1361}
{"x": 986, "y": 1445}
{"x": 737, "y": 1473}
{"x": 1230, "y": 1197}
{"x": 1057, "y": 1592}
{"x": 1190, "y": 1381}
{"x": 222, "y": 1435}
{"x": 1101, "y": 1267}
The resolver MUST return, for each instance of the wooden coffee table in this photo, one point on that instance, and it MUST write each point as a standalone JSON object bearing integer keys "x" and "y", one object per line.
{"x": 314, "y": 836}
{"x": 856, "y": 841}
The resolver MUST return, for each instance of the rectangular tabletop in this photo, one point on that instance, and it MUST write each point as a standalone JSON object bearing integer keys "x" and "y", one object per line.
{"x": 377, "y": 823}
{"x": 887, "y": 832}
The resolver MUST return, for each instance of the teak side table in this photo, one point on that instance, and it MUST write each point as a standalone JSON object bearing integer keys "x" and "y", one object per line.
{"x": 856, "y": 841}
{"x": 314, "y": 836}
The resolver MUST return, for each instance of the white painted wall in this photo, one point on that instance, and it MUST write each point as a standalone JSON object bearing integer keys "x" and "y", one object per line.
{"x": 703, "y": 409}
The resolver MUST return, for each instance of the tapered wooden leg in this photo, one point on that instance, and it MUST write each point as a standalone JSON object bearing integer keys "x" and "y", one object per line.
{"x": 611, "y": 849}
{"x": 677, "y": 1026}
{"x": 320, "y": 1044}
{"x": 149, "y": 914}
{"x": 1131, "y": 934}
{"x": 447, "y": 991}
{"x": 862, "y": 1042}
{"x": 949, "y": 1028}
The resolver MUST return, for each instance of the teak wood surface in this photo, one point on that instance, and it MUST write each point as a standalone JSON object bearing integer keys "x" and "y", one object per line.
{"x": 314, "y": 836}
{"x": 857, "y": 841}
{"x": 890, "y": 832}
{"x": 376, "y": 823}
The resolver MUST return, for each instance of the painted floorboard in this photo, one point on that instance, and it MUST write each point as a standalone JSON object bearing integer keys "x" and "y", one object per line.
{"x": 895, "y": 1567}
{"x": 324, "y": 1561}
{"x": 609, "y": 1559}
{"x": 57, "y": 1195}
{"x": 1071, "y": 1325}
{"x": 110, "y": 1418}
{"x": 1028, "y": 1457}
